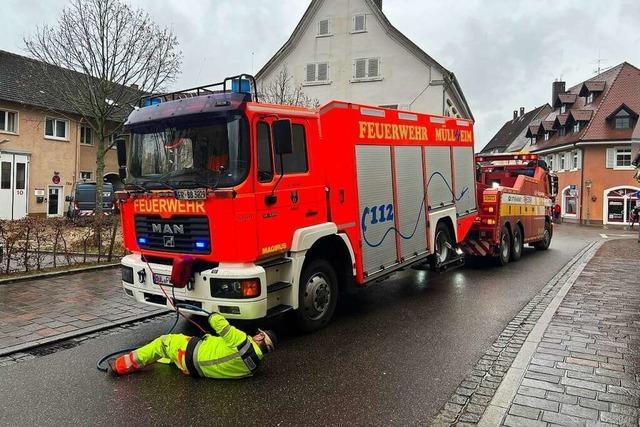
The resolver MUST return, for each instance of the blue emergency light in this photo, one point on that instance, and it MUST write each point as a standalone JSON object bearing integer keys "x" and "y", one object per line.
{"x": 142, "y": 240}
{"x": 148, "y": 102}
{"x": 241, "y": 86}
{"x": 201, "y": 244}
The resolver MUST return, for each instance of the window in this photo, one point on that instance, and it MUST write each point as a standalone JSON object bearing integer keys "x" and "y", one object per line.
{"x": 622, "y": 120}
{"x": 562, "y": 131}
{"x": 359, "y": 23}
{"x": 85, "y": 176}
{"x": 570, "y": 202}
{"x": 576, "y": 127}
{"x": 324, "y": 28}
{"x": 265, "y": 161}
{"x": 562, "y": 161}
{"x": 550, "y": 162}
{"x": 296, "y": 161}
{"x": 574, "y": 160}
{"x": 21, "y": 176}
{"x": 546, "y": 136}
{"x": 623, "y": 157}
{"x": 56, "y": 128}
{"x": 8, "y": 121}
{"x": 366, "y": 69}
{"x": 618, "y": 204}
{"x": 5, "y": 175}
{"x": 86, "y": 135}
{"x": 317, "y": 73}
{"x": 563, "y": 109}
{"x": 590, "y": 98}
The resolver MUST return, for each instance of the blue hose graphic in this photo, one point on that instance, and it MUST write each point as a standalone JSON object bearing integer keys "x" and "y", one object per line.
{"x": 415, "y": 227}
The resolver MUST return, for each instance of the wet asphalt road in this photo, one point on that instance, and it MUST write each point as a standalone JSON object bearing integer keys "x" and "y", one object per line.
{"x": 393, "y": 355}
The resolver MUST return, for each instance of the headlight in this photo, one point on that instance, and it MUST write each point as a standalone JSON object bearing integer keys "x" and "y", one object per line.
{"x": 235, "y": 288}
{"x": 127, "y": 274}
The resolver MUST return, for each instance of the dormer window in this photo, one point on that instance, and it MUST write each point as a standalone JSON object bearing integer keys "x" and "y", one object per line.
{"x": 590, "y": 98}
{"x": 563, "y": 108}
{"x": 576, "y": 127}
{"x": 562, "y": 131}
{"x": 324, "y": 27}
{"x": 622, "y": 120}
{"x": 546, "y": 136}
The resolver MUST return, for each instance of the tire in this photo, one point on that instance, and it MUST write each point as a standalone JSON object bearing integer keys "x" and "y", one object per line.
{"x": 317, "y": 295}
{"x": 543, "y": 245}
{"x": 517, "y": 243}
{"x": 504, "y": 251}
{"x": 442, "y": 251}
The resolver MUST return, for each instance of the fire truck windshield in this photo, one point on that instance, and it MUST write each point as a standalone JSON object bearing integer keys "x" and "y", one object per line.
{"x": 210, "y": 152}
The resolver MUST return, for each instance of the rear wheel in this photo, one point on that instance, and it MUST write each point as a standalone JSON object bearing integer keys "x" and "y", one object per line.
{"x": 317, "y": 295}
{"x": 516, "y": 244}
{"x": 504, "y": 252}
{"x": 442, "y": 244}
{"x": 543, "y": 245}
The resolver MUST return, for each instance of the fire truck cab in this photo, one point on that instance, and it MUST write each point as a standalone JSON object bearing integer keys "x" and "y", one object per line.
{"x": 266, "y": 209}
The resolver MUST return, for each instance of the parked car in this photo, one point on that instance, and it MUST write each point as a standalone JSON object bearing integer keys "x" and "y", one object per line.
{"x": 82, "y": 202}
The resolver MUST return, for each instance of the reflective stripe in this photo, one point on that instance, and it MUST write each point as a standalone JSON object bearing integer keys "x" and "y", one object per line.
{"x": 195, "y": 359}
{"x": 225, "y": 330}
{"x": 220, "y": 360}
{"x": 127, "y": 361}
{"x": 135, "y": 359}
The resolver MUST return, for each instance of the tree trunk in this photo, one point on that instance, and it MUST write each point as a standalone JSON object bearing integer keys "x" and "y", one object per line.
{"x": 99, "y": 170}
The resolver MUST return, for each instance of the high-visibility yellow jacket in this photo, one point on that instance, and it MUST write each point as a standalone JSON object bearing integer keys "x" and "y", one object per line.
{"x": 232, "y": 354}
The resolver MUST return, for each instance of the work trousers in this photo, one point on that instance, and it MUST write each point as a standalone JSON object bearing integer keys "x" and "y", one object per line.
{"x": 172, "y": 347}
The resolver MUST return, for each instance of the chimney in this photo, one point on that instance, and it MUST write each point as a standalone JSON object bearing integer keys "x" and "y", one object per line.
{"x": 556, "y": 89}
{"x": 515, "y": 115}
{"x": 378, "y": 3}
{"x": 521, "y": 111}
{"x": 134, "y": 86}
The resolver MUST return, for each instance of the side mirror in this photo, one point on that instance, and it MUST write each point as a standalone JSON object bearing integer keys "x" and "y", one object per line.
{"x": 122, "y": 158}
{"x": 282, "y": 139}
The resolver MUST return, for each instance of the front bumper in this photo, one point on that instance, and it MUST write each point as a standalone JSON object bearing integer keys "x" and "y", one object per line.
{"x": 144, "y": 289}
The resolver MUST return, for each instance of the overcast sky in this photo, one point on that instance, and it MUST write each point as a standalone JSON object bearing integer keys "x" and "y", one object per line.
{"x": 504, "y": 53}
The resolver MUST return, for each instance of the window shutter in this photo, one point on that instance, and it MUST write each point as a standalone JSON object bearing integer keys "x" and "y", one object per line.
{"x": 323, "y": 71}
{"x": 358, "y": 24}
{"x": 579, "y": 159}
{"x": 324, "y": 27}
{"x": 611, "y": 158}
{"x": 374, "y": 68}
{"x": 311, "y": 72}
{"x": 360, "y": 68}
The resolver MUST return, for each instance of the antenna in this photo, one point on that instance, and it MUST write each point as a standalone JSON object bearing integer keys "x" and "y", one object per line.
{"x": 252, "y": 55}
{"x": 599, "y": 64}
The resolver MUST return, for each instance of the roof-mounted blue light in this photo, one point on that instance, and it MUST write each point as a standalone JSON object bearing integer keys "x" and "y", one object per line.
{"x": 148, "y": 102}
{"x": 241, "y": 86}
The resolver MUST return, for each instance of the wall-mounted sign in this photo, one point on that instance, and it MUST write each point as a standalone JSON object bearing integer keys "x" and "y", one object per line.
{"x": 38, "y": 191}
{"x": 55, "y": 179}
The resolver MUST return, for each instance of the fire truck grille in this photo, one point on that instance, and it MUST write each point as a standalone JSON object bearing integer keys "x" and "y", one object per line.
{"x": 189, "y": 235}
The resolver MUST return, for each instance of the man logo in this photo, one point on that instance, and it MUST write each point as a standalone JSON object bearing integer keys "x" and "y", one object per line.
{"x": 169, "y": 242}
{"x": 167, "y": 228}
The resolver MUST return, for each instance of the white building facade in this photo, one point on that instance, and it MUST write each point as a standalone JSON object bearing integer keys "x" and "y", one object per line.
{"x": 348, "y": 50}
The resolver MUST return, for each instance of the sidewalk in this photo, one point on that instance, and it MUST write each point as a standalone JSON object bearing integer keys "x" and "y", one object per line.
{"x": 583, "y": 366}
{"x": 41, "y": 311}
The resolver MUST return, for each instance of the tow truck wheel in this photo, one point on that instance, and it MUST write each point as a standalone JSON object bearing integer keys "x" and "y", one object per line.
{"x": 442, "y": 243}
{"x": 504, "y": 254}
{"x": 543, "y": 244}
{"x": 317, "y": 295}
{"x": 516, "y": 244}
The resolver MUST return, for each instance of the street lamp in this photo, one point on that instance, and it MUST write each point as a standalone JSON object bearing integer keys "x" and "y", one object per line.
{"x": 587, "y": 185}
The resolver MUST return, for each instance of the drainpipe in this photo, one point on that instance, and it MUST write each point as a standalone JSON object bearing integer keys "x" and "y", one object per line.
{"x": 581, "y": 182}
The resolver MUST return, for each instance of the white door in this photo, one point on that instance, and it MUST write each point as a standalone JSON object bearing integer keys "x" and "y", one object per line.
{"x": 21, "y": 184}
{"x": 14, "y": 179}
{"x": 55, "y": 200}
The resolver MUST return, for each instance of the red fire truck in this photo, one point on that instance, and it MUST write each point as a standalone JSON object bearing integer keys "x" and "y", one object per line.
{"x": 516, "y": 194}
{"x": 264, "y": 209}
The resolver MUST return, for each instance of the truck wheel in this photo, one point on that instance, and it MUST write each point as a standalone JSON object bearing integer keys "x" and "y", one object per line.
{"x": 317, "y": 295}
{"x": 504, "y": 252}
{"x": 517, "y": 244}
{"x": 543, "y": 245}
{"x": 442, "y": 243}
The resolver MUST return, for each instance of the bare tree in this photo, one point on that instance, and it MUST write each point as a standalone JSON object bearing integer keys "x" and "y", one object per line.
{"x": 282, "y": 90}
{"x": 110, "y": 53}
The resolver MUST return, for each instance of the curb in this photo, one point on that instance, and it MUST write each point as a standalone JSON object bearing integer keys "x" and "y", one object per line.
{"x": 90, "y": 329}
{"x": 58, "y": 273}
{"x": 499, "y": 405}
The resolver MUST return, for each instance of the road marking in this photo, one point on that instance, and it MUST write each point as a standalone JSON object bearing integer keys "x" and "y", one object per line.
{"x": 604, "y": 236}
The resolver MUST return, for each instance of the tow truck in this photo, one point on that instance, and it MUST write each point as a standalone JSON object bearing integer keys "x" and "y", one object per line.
{"x": 516, "y": 194}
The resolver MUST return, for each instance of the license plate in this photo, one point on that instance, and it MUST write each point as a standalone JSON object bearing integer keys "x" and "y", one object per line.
{"x": 161, "y": 279}
{"x": 191, "y": 194}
